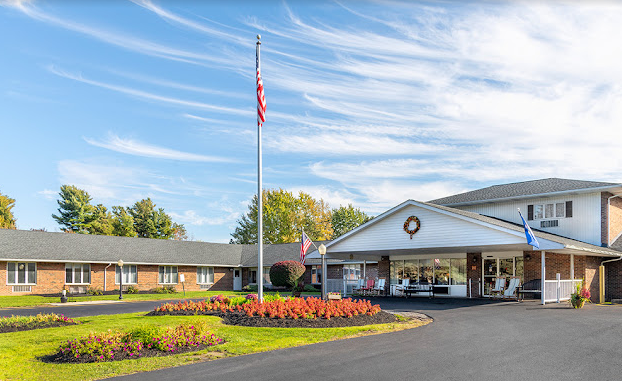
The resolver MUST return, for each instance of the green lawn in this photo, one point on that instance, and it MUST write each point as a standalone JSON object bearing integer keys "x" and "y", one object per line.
{"x": 34, "y": 300}
{"x": 19, "y": 351}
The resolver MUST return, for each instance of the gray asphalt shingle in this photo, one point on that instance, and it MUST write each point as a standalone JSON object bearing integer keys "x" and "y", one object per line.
{"x": 525, "y": 188}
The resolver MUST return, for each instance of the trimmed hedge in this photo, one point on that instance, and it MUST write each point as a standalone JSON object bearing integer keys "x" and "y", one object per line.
{"x": 286, "y": 273}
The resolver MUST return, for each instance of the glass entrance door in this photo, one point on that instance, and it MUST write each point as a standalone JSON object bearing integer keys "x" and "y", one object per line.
{"x": 495, "y": 267}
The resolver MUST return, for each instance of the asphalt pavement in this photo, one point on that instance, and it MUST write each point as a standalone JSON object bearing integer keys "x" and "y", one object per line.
{"x": 468, "y": 340}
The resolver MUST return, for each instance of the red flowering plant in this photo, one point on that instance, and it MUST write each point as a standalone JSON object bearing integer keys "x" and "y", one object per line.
{"x": 580, "y": 297}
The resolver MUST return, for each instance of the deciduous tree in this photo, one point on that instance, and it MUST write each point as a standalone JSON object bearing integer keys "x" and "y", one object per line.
{"x": 7, "y": 220}
{"x": 346, "y": 218}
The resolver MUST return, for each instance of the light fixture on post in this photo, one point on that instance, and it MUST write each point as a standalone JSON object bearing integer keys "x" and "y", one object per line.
{"x": 322, "y": 250}
{"x": 120, "y": 264}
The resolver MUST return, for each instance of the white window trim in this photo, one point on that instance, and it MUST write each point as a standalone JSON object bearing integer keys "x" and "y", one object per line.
{"x": 266, "y": 274}
{"x": 126, "y": 283}
{"x": 16, "y": 283}
{"x": 73, "y": 274}
{"x": 554, "y": 217}
{"x": 201, "y": 267}
{"x": 176, "y": 270}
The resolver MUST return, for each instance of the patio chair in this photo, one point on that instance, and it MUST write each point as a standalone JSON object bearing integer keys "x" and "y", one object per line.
{"x": 497, "y": 291}
{"x": 358, "y": 290}
{"x": 379, "y": 288}
{"x": 370, "y": 286}
{"x": 402, "y": 287}
{"x": 511, "y": 291}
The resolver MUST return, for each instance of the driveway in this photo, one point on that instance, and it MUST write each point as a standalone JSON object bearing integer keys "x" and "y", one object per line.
{"x": 468, "y": 340}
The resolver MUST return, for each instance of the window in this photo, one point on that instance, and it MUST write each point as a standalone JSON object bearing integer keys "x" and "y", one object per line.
{"x": 168, "y": 274}
{"x": 205, "y": 275}
{"x": 351, "y": 272}
{"x": 458, "y": 271}
{"x": 553, "y": 210}
{"x": 21, "y": 273}
{"x": 252, "y": 275}
{"x": 77, "y": 273}
{"x": 316, "y": 274}
{"x": 130, "y": 274}
{"x": 441, "y": 271}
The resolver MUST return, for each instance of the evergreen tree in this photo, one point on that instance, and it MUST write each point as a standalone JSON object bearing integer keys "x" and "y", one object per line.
{"x": 122, "y": 222}
{"x": 149, "y": 222}
{"x": 75, "y": 210}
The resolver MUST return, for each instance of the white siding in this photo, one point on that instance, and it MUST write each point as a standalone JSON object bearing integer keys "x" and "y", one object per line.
{"x": 584, "y": 225}
{"x": 437, "y": 230}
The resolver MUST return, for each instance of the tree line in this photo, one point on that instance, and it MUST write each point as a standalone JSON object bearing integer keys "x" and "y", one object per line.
{"x": 76, "y": 214}
{"x": 285, "y": 214}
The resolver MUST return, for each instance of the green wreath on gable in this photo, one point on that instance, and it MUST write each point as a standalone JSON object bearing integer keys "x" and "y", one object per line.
{"x": 407, "y": 225}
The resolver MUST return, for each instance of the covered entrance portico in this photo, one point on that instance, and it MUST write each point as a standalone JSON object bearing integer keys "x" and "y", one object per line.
{"x": 461, "y": 253}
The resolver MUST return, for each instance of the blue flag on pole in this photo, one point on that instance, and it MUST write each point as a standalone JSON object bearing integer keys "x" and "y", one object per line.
{"x": 531, "y": 239}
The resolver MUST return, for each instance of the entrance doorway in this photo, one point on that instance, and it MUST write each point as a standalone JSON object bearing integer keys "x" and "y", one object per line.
{"x": 496, "y": 267}
{"x": 237, "y": 280}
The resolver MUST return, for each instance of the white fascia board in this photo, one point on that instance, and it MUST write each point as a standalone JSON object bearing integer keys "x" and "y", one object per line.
{"x": 539, "y": 195}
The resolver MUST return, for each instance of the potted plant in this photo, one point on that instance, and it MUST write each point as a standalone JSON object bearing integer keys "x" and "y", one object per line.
{"x": 298, "y": 288}
{"x": 334, "y": 296}
{"x": 578, "y": 298}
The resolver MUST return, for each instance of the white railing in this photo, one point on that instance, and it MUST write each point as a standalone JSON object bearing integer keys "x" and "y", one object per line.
{"x": 559, "y": 289}
{"x": 335, "y": 285}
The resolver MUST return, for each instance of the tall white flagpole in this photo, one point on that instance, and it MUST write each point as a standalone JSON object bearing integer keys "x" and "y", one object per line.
{"x": 259, "y": 198}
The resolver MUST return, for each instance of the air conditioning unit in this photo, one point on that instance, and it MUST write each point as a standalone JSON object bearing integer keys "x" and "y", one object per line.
{"x": 549, "y": 224}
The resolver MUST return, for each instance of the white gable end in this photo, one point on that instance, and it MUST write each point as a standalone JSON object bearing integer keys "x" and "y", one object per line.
{"x": 438, "y": 229}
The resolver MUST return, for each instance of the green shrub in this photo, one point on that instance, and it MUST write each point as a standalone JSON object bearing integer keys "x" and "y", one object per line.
{"x": 94, "y": 291}
{"x": 272, "y": 298}
{"x": 286, "y": 273}
{"x": 132, "y": 290}
{"x": 144, "y": 334}
{"x": 250, "y": 288}
{"x": 237, "y": 301}
{"x": 165, "y": 290}
{"x": 310, "y": 288}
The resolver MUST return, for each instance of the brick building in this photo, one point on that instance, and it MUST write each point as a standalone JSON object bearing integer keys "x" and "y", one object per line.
{"x": 461, "y": 244}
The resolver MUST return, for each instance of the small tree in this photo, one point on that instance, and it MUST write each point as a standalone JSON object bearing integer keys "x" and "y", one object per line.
{"x": 286, "y": 273}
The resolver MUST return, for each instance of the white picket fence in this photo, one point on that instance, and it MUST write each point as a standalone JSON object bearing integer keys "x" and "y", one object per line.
{"x": 559, "y": 289}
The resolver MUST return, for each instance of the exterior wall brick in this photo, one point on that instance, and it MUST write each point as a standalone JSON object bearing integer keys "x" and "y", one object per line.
{"x": 615, "y": 218}
{"x": 474, "y": 272}
{"x": 384, "y": 270}
{"x": 51, "y": 278}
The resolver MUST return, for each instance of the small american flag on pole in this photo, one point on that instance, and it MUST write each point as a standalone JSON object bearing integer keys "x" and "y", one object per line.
{"x": 437, "y": 264}
{"x": 261, "y": 97}
{"x": 305, "y": 242}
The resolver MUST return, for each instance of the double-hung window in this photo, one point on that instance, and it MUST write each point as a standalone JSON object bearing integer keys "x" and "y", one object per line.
{"x": 130, "y": 274}
{"x": 21, "y": 273}
{"x": 549, "y": 211}
{"x": 252, "y": 275}
{"x": 316, "y": 274}
{"x": 168, "y": 275}
{"x": 205, "y": 275}
{"x": 77, "y": 273}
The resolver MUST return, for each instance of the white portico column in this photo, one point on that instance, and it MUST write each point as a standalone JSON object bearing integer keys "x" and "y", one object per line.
{"x": 572, "y": 267}
{"x": 543, "y": 276}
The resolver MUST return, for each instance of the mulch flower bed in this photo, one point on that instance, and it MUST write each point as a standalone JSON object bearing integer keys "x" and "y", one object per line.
{"x": 28, "y": 323}
{"x": 283, "y": 313}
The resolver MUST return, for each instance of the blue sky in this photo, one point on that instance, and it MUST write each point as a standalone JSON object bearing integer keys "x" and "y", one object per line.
{"x": 369, "y": 103}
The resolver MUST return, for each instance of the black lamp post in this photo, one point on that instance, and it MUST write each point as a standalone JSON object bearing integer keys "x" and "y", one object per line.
{"x": 120, "y": 264}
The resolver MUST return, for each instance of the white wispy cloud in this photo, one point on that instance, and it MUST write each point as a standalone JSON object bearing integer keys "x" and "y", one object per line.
{"x": 133, "y": 147}
{"x": 48, "y": 194}
{"x": 150, "y": 96}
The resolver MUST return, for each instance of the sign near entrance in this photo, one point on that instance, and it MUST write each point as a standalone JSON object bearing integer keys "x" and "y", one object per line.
{"x": 412, "y": 225}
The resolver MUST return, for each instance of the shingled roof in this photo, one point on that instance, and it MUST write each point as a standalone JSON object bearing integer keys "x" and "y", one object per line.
{"x": 63, "y": 247}
{"x": 523, "y": 189}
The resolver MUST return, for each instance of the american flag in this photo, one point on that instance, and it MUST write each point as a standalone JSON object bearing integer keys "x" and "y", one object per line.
{"x": 261, "y": 97}
{"x": 437, "y": 264}
{"x": 305, "y": 242}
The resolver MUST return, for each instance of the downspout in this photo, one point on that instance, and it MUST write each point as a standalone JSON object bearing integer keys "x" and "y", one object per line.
{"x": 601, "y": 276}
{"x": 106, "y": 273}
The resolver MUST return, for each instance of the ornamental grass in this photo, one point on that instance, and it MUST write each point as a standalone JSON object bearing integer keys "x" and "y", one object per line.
{"x": 292, "y": 308}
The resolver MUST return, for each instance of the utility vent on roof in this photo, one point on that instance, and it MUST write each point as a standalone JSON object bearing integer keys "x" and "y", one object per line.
{"x": 549, "y": 224}
{"x": 22, "y": 289}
